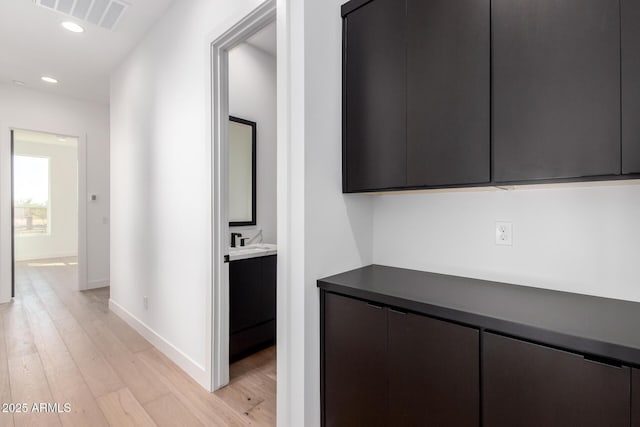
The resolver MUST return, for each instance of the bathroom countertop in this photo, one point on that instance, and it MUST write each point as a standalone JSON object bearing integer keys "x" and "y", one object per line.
{"x": 252, "y": 251}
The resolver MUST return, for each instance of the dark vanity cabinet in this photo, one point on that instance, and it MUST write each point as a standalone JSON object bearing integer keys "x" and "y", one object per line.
{"x": 630, "y": 86}
{"x": 382, "y": 366}
{"x": 635, "y": 397}
{"x": 526, "y": 384}
{"x": 556, "y": 89}
{"x": 252, "y": 305}
{"x": 416, "y": 93}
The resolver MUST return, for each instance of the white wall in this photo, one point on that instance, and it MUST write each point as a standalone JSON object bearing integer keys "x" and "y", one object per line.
{"x": 24, "y": 108}
{"x": 161, "y": 179}
{"x": 328, "y": 232}
{"x": 582, "y": 239}
{"x": 252, "y": 96}
{"x": 161, "y": 170}
{"x": 62, "y": 237}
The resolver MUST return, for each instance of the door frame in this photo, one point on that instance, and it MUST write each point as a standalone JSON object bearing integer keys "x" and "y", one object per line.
{"x": 81, "y": 154}
{"x": 218, "y": 310}
{"x": 13, "y": 231}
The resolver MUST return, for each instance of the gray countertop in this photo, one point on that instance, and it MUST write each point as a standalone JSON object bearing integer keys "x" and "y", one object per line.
{"x": 602, "y": 327}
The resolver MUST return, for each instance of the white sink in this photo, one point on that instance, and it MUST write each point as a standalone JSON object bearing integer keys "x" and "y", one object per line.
{"x": 252, "y": 251}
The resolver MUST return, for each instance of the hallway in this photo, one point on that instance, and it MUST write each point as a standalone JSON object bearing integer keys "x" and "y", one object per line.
{"x": 58, "y": 345}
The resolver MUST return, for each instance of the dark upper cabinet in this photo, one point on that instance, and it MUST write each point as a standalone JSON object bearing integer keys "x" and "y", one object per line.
{"x": 354, "y": 363}
{"x": 635, "y": 398}
{"x": 448, "y": 92}
{"x": 556, "y": 88}
{"x": 526, "y": 384}
{"x": 630, "y": 86}
{"x": 374, "y": 97}
{"x": 433, "y": 372}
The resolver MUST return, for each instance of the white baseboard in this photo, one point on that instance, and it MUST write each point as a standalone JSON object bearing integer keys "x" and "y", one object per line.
{"x": 193, "y": 369}
{"x": 95, "y": 284}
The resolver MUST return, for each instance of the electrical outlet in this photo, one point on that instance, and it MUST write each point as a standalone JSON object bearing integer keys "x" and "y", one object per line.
{"x": 504, "y": 233}
{"x": 146, "y": 302}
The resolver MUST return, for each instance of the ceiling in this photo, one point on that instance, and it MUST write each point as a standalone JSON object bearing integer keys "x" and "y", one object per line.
{"x": 265, "y": 39}
{"x": 33, "y": 44}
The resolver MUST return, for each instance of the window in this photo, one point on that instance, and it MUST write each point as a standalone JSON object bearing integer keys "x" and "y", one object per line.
{"x": 31, "y": 194}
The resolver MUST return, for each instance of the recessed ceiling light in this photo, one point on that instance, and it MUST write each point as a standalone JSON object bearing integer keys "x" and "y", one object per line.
{"x": 49, "y": 79}
{"x": 73, "y": 27}
{"x": 18, "y": 82}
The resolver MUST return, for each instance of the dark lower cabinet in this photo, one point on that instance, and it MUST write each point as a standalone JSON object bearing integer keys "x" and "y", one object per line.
{"x": 630, "y": 86}
{"x": 556, "y": 88}
{"x": 635, "y": 398}
{"x": 252, "y": 305}
{"x": 381, "y": 367}
{"x": 526, "y": 384}
{"x": 355, "y": 363}
{"x": 433, "y": 372}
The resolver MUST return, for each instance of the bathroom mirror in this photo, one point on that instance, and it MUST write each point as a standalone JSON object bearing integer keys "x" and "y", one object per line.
{"x": 242, "y": 172}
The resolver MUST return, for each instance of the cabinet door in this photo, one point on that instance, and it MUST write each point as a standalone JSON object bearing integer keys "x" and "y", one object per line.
{"x": 374, "y": 98}
{"x": 245, "y": 303}
{"x": 268, "y": 287}
{"x": 630, "y": 86}
{"x": 635, "y": 398}
{"x": 526, "y": 384}
{"x": 448, "y": 90}
{"x": 434, "y": 370}
{"x": 355, "y": 363}
{"x": 556, "y": 88}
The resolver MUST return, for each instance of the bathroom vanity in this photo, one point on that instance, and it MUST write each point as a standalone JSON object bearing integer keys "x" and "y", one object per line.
{"x": 252, "y": 299}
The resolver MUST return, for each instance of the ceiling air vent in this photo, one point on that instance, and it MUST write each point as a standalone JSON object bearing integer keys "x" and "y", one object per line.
{"x": 103, "y": 13}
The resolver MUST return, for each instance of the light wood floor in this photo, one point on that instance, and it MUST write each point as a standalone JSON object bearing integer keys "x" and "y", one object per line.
{"x": 58, "y": 345}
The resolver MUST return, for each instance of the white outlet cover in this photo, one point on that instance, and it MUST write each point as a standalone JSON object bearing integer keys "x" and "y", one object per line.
{"x": 504, "y": 233}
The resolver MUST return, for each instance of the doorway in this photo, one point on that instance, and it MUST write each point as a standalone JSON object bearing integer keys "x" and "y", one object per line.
{"x": 245, "y": 36}
{"x": 45, "y": 214}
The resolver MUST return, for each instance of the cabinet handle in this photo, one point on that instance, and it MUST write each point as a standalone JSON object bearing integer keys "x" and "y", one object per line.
{"x": 603, "y": 361}
{"x": 393, "y": 310}
{"x": 378, "y": 307}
